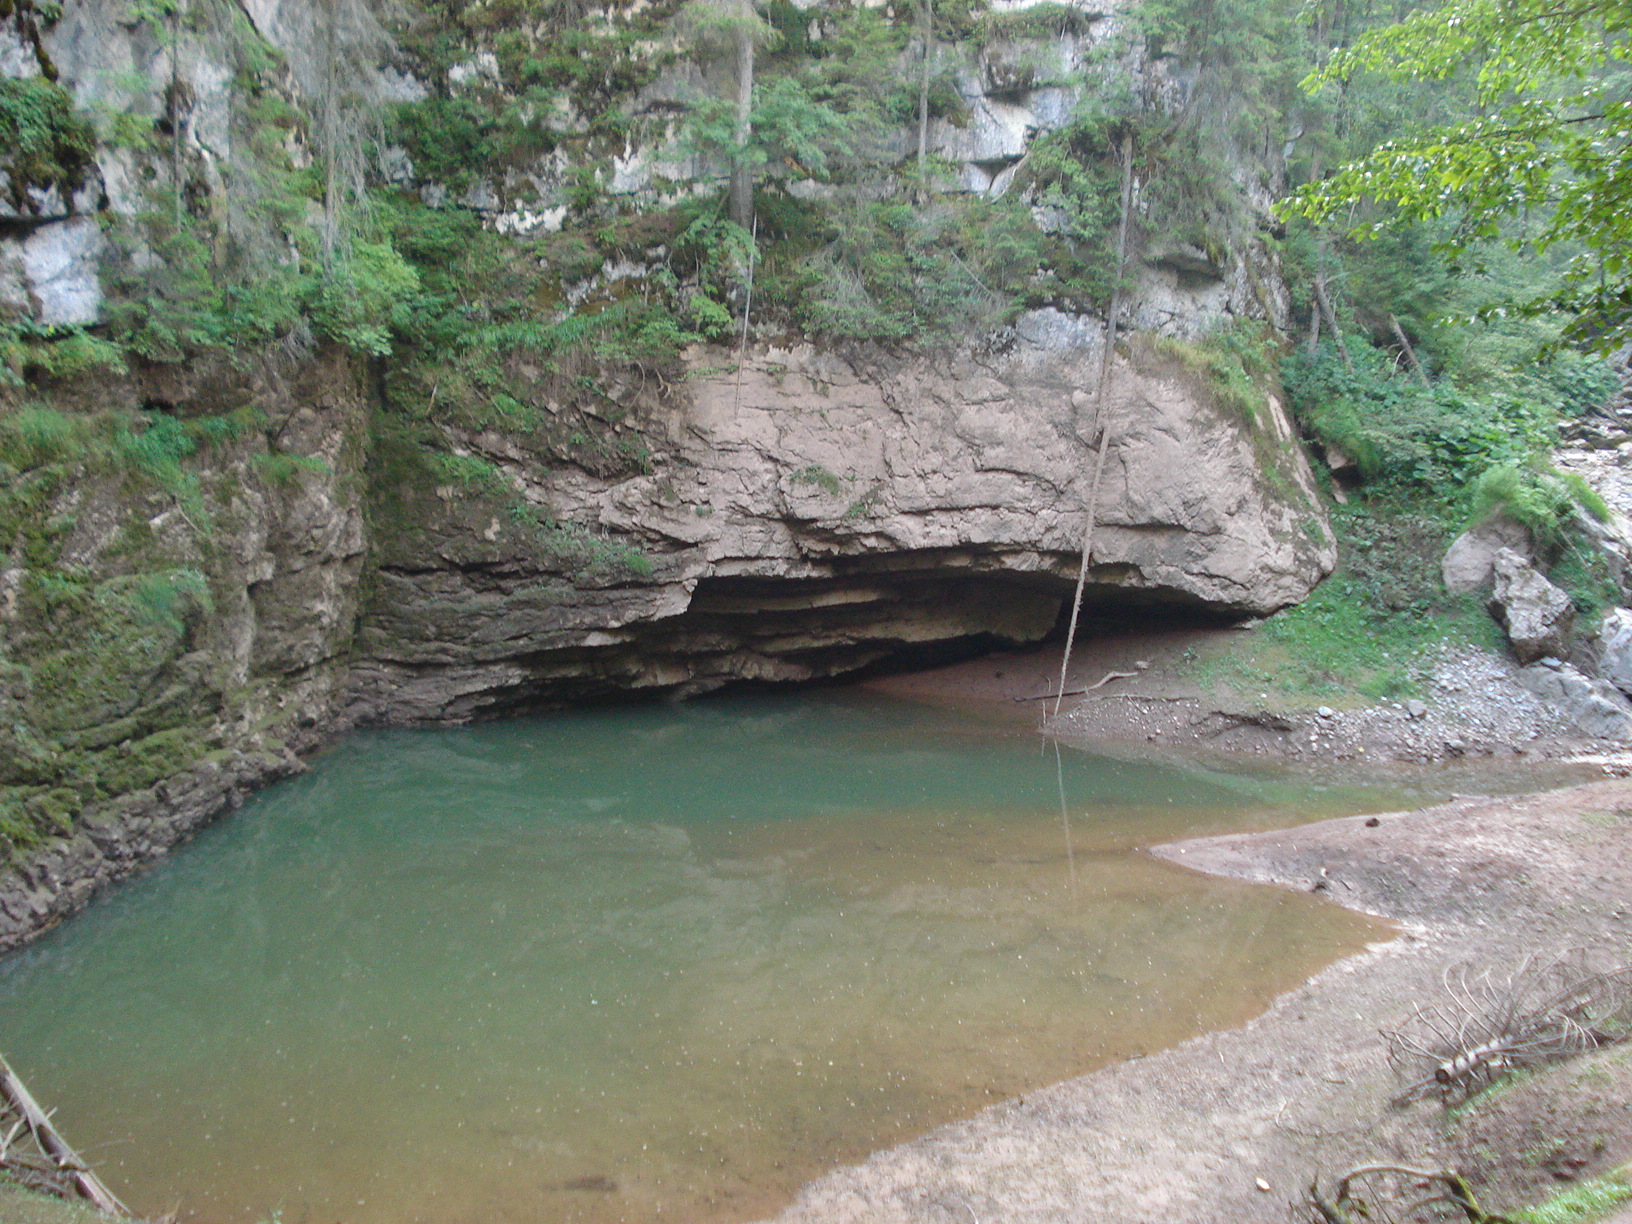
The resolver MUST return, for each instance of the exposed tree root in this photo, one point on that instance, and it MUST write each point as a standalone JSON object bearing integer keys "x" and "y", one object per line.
{"x": 1398, "y": 1194}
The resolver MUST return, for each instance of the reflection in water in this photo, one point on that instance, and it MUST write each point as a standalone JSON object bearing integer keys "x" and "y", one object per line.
{"x": 639, "y": 965}
{"x": 1065, "y": 816}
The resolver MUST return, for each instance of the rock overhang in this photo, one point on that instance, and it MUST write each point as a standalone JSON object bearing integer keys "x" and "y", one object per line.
{"x": 812, "y": 515}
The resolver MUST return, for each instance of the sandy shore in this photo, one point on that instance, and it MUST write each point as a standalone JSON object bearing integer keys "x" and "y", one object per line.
{"x": 1194, "y": 1134}
{"x": 1187, "y": 1135}
{"x": 1147, "y": 687}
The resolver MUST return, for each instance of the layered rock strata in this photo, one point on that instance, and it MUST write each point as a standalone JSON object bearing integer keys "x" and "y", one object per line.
{"x": 815, "y": 516}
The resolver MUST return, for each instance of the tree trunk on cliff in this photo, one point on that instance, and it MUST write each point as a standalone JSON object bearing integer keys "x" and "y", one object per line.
{"x": 174, "y": 107}
{"x": 926, "y": 32}
{"x": 329, "y": 119}
{"x": 742, "y": 174}
{"x": 1100, "y": 421}
{"x": 1121, "y": 271}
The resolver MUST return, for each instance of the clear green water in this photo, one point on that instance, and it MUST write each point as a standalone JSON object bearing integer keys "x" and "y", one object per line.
{"x": 644, "y": 964}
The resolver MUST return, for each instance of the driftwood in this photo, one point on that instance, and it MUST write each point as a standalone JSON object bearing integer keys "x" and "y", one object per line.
{"x": 1487, "y": 1024}
{"x": 50, "y": 1164}
{"x": 1146, "y": 697}
{"x": 1088, "y": 688}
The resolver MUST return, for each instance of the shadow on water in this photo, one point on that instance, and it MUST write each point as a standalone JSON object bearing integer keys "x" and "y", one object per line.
{"x": 644, "y": 963}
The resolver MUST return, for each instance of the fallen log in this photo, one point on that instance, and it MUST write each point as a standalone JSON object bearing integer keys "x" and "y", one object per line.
{"x": 73, "y": 1174}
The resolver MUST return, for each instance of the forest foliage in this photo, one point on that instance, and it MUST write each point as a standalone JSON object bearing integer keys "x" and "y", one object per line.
{"x": 345, "y": 216}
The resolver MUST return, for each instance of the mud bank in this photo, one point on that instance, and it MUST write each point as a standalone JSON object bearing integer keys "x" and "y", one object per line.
{"x": 1192, "y": 1134}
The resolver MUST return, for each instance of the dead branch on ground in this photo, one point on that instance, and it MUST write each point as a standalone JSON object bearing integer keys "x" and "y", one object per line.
{"x": 1088, "y": 688}
{"x": 1397, "y": 1194}
{"x": 1488, "y": 1024}
{"x": 37, "y": 1157}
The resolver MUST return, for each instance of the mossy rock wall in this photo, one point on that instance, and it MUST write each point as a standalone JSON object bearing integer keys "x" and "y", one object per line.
{"x": 178, "y": 598}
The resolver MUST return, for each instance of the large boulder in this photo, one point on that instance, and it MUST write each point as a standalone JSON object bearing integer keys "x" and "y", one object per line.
{"x": 1615, "y": 649}
{"x": 1595, "y": 707}
{"x": 811, "y": 514}
{"x": 1536, "y": 615}
{"x": 1468, "y": 562}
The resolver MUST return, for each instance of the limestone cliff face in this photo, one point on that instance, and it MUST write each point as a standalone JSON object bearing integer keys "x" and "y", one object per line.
{"x": 170, "y": 637}
{"x": 817, "y": 515}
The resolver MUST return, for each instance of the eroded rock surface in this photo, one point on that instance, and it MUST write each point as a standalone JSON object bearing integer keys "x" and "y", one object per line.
{"x": 1468, "y": 564}
{"x": 1595, "y": 707}
{"x": 193, "y": 642}
{"x": 819, "y": 515}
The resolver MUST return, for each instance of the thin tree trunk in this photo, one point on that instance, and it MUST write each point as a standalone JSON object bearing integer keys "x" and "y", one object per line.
{"x": 1325, "y": 303}
{"x": 1410, "y": 353}
{"x": 175, "y": 110}
{"x": 747, "y": 313}
{"x": 742, "y": 175}
{"x": 1100, "y": 416}
{"x": 1121, "y": 270}
{"x": 331, "y": 134}
{"x": 1314, "y": 328}
{"x": 926, "y": 24}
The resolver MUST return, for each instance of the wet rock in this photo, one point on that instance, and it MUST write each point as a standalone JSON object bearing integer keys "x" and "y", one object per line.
{"x": 1469, "y": 560}
{"x": 1536, "y": 615}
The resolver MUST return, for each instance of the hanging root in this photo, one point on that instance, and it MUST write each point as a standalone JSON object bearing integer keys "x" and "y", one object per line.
{"x": 1488, "y": 1024}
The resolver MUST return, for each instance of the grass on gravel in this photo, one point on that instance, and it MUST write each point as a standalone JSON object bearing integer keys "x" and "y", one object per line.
{"x": 1370, "y": 631}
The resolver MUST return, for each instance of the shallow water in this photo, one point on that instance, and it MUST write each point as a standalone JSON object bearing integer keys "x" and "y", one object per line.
{"x": 643, "y": 964}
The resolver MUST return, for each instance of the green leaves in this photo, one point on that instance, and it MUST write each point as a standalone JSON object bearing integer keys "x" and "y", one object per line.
{"x": 44, "y": 142}
{"x": 802, "y": 127}
{"x": 721, "y": 23}
{"x": 1550, "y": 143}
{"x": 1402, "y": 433}
{"x": 364, "y": 296}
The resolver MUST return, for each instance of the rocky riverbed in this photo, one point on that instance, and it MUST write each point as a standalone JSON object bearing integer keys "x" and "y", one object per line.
{"x": 1475, "y": 704}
